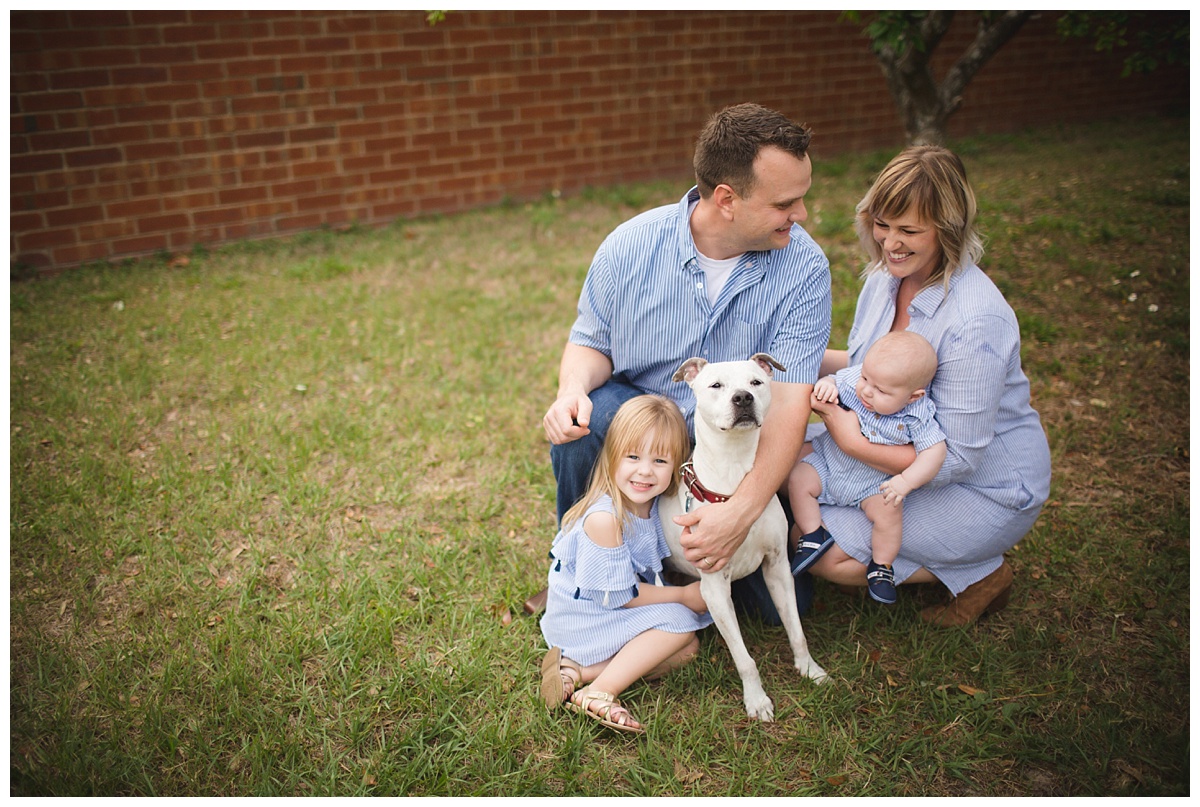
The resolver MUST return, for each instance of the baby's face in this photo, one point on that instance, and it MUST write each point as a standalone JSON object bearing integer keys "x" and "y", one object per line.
{"x": 884, "y": 390}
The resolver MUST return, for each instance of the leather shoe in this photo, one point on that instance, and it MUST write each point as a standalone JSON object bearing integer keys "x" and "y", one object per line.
{"x": 537, "y": 603}
{"x": 984, "y": 597}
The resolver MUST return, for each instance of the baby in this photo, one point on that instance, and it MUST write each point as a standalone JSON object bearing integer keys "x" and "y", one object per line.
{"x": 887, "y": 392}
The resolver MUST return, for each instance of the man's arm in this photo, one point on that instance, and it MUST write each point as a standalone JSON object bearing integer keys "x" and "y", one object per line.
{"x": 716, "y": 531}
{"x": 581, "y": 370}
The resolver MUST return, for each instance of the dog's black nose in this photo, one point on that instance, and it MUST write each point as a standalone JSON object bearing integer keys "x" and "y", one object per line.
{"x": 743, "y": 400}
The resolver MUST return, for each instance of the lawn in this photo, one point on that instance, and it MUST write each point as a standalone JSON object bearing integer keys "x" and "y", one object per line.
{"x": 274, "y": 508}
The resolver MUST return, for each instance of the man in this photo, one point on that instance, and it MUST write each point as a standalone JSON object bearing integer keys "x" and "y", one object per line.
{"x": 725, "y": 273}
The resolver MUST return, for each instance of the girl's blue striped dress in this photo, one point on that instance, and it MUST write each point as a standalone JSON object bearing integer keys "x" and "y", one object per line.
{"x": 589, "y": 584}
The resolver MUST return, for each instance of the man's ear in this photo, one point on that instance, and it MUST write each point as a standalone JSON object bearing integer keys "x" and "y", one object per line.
{"x": 723, "y": 197}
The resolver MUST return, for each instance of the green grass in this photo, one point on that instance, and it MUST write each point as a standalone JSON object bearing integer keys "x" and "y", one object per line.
{"x": 274, "y": 508}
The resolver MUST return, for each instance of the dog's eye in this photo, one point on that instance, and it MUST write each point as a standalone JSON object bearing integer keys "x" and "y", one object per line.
{"x": 757, "y": 382}
{"x": 715, "y": 385}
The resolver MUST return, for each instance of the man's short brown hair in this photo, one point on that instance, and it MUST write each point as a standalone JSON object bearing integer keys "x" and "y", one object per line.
{"x": 731, "y": 140}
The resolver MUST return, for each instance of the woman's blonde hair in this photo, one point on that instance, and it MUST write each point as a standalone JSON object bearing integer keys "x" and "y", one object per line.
{"x": 637, "y": 417}
{"x": 932, "y": 181}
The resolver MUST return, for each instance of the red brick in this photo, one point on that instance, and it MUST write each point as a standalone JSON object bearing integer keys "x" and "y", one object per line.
{"x": 120, "y": 135}
{"x": 35, "y": 163}
{"x": 197, "y": 71}
{"x": 254, "y": 103}
{"x": 261, "y": 139}
{"x": 134, "y": 208}
{"x": 60, "y": 141}
{"x": 167, "y": 223}
{"x": 227, "y": 88}
{"x": 140, "y": 245}
{"x": 44, "y": 239}
{"x": 106, "y": 230}
{"x": 311, "y": 134}
{"x": 172, "y": 92}
{"x": 148, "y": 112}
{"x": 204, "y": 218}
{"x": 188, "y": 202}
{"x": 242, "y": 194}
{"x": 24, "y": 222}
{"x": 153, "y": 150}
{"x": 140, "y": 75}
{"x": 82, "y": 253}
{"x": 48, "y": 102}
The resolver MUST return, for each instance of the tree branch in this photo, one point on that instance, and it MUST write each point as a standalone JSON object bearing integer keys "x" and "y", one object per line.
{"x": 989, "y": 39}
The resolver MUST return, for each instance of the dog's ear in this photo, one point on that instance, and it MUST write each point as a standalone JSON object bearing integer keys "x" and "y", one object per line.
{"x": 689, "y": 369}
{"x": 767, "y": 361}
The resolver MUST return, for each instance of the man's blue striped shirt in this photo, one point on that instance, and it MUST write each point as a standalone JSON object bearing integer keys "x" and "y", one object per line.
{"x": 644, "y": 305}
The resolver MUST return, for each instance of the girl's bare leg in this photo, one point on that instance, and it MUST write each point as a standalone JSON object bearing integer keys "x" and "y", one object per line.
{"x": 649, "y": 654}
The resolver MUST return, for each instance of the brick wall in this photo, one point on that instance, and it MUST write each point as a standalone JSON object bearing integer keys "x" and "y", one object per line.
{"x": 136, "y": 132}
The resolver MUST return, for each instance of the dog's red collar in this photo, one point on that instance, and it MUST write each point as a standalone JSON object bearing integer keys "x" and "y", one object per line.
{"x": 688, "y": 474}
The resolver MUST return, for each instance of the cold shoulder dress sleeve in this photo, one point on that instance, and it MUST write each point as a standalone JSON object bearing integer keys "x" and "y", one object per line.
{"x": 996, "y": 476}
{"x": 589, "y": 586}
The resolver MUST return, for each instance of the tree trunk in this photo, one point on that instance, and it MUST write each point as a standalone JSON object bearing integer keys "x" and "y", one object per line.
{"x": 924, "y": 105}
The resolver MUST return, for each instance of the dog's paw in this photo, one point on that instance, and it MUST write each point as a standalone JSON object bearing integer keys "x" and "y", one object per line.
{"x": 811, "y": 669}
{"x": 761, "y": 709}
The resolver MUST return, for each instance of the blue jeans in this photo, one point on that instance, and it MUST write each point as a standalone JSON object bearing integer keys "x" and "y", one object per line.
{"x": 572, "y": 463}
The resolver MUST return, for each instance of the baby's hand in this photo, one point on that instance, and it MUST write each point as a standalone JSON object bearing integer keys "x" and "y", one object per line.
{"x": 692, "y": 599}
{"x": 895, "y": 489}
{"x": 825, "y": 390}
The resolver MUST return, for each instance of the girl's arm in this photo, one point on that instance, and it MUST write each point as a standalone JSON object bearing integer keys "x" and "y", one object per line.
{"x": 689, "y": 595}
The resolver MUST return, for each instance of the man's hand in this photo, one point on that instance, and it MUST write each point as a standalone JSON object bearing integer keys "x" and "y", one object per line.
{"x": 711, "y": 534}
{"x": 567, "y": 418}
{"x": 581, "y": 370}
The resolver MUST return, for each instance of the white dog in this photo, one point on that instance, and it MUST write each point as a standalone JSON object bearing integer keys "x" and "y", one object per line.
{"x": 731, "y": 402}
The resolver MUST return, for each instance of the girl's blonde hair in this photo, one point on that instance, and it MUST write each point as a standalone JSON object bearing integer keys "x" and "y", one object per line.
{"x": 932, "y": 181}
{"x": 637, "y": 417}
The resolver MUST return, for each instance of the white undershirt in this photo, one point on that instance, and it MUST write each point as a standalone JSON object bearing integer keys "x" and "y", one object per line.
{"x": 715, "y": 274}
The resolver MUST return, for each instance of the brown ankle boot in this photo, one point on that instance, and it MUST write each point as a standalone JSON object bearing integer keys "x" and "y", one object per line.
{"x": 984, "y": 597}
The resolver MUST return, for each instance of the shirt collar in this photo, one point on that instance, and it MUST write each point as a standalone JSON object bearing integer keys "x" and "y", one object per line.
{"x": 687, "y": 247}
{"x": 759, "y": 259}
{"x": 930, "y": 298}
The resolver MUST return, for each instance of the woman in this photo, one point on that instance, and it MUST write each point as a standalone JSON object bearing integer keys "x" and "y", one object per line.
{"x": 917, "y": 223}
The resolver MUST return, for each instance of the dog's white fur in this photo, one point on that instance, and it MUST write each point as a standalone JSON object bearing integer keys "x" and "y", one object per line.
{"x": 731, "y": 403}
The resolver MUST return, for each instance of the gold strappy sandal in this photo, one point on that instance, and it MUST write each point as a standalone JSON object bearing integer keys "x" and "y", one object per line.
{"x": 609, "y": 708}
{"x": 555, "y": 681}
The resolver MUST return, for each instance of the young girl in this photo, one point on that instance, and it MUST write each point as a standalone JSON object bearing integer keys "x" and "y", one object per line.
{"x": 610, "y": 619}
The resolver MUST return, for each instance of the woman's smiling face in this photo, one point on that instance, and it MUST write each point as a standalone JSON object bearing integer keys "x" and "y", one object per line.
{"x": 910, "y": 245}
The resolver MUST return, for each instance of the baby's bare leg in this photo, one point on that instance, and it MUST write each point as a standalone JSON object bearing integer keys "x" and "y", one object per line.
{"x": 804, "y": 486}
{"x": 886, "y": 527}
